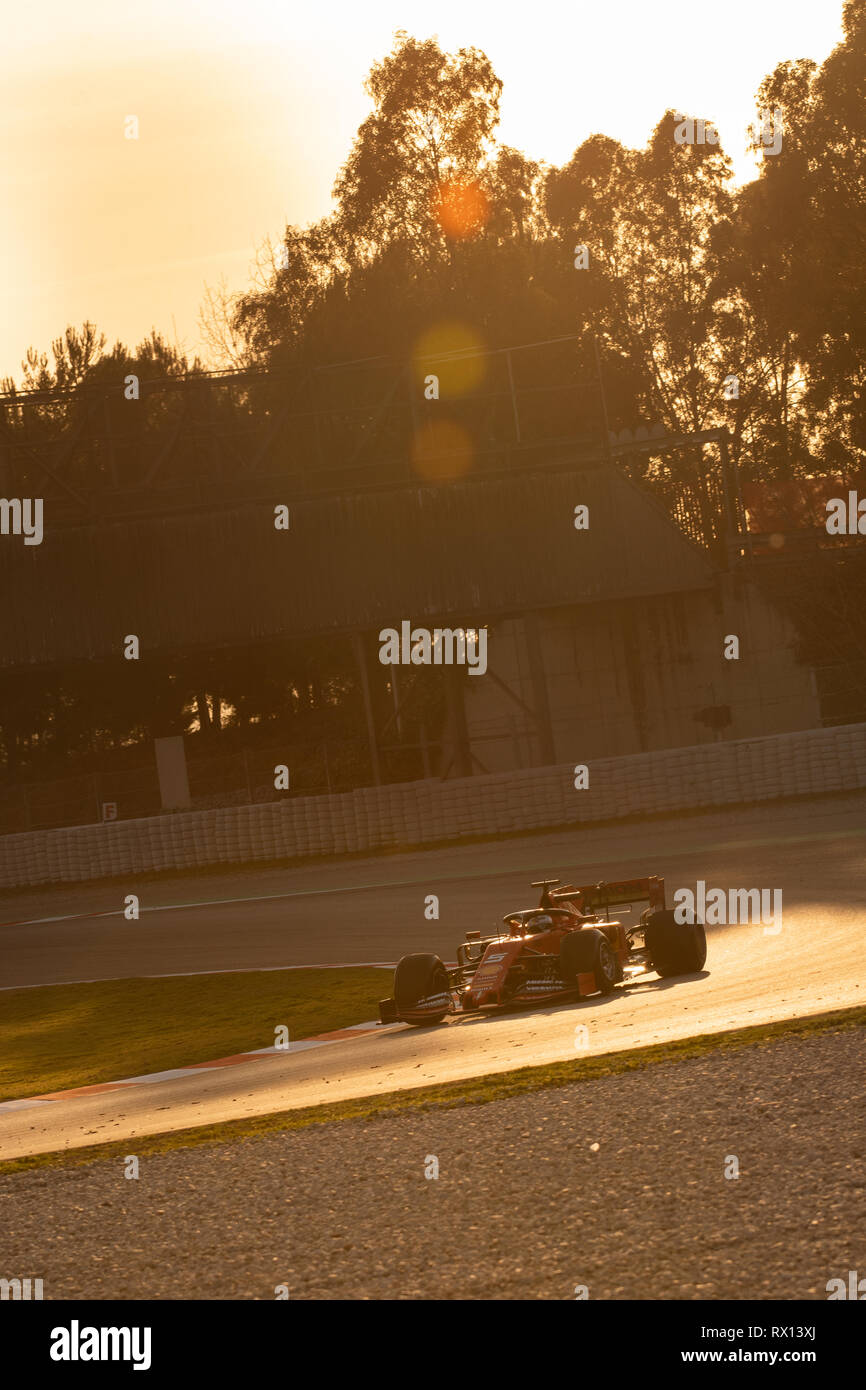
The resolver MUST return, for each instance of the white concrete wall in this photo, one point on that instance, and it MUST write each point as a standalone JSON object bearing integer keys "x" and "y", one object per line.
{"x": 625, "y": 678}
{"x": 415, "y": 813}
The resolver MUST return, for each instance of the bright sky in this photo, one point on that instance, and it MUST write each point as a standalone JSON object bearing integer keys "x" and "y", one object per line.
{"x": 247, "y": 109}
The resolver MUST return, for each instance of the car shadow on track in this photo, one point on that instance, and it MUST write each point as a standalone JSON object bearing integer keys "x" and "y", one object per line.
{"x": 639, "y": 985}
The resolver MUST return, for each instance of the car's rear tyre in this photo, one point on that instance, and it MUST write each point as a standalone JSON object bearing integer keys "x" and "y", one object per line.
{"x": 419, "y": 978}
{"x": 676, "y": 948}
{"x": 588, "y": 952}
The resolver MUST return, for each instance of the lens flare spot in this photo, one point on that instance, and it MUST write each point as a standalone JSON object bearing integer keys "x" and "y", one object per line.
{"x": 442, "y": 451}
{"x": 461, "y": 209}
{"x": 452, "y": 354}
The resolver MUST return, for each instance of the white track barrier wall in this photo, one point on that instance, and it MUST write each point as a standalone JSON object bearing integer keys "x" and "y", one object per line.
{"x": 419, "y": 813}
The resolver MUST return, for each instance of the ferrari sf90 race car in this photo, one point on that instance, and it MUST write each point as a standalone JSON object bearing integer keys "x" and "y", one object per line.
{"x": 564, "y": 949}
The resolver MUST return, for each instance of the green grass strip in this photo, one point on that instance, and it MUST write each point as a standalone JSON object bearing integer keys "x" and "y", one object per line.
{"x": 58, "y": 1037}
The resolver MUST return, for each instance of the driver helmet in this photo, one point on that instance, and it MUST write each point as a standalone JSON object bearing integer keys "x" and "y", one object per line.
{"x": 540, "y": 923}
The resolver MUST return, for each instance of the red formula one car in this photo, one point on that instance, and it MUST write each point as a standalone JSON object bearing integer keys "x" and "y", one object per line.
{"x": 564, "y": 949}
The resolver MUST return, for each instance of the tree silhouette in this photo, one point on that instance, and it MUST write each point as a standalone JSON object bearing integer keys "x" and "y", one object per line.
{"x": 689, "y": 282}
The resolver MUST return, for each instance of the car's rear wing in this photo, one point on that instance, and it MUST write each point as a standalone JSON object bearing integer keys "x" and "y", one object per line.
{"x": 601, "y": 897}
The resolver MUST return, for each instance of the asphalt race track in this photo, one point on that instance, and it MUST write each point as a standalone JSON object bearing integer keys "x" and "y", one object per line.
{"x": 373, "y": 910}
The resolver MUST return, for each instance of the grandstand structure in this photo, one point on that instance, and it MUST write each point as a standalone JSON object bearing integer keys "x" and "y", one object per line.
{"x": 159, "y": 513}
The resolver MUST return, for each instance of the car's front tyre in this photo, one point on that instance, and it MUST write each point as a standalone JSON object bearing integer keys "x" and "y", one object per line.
{"x": 588, "y": 952}
{"x": 422, "y": 993}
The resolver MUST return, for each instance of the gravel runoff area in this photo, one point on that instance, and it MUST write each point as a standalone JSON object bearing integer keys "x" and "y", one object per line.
{"x": 616, "y": 1184}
